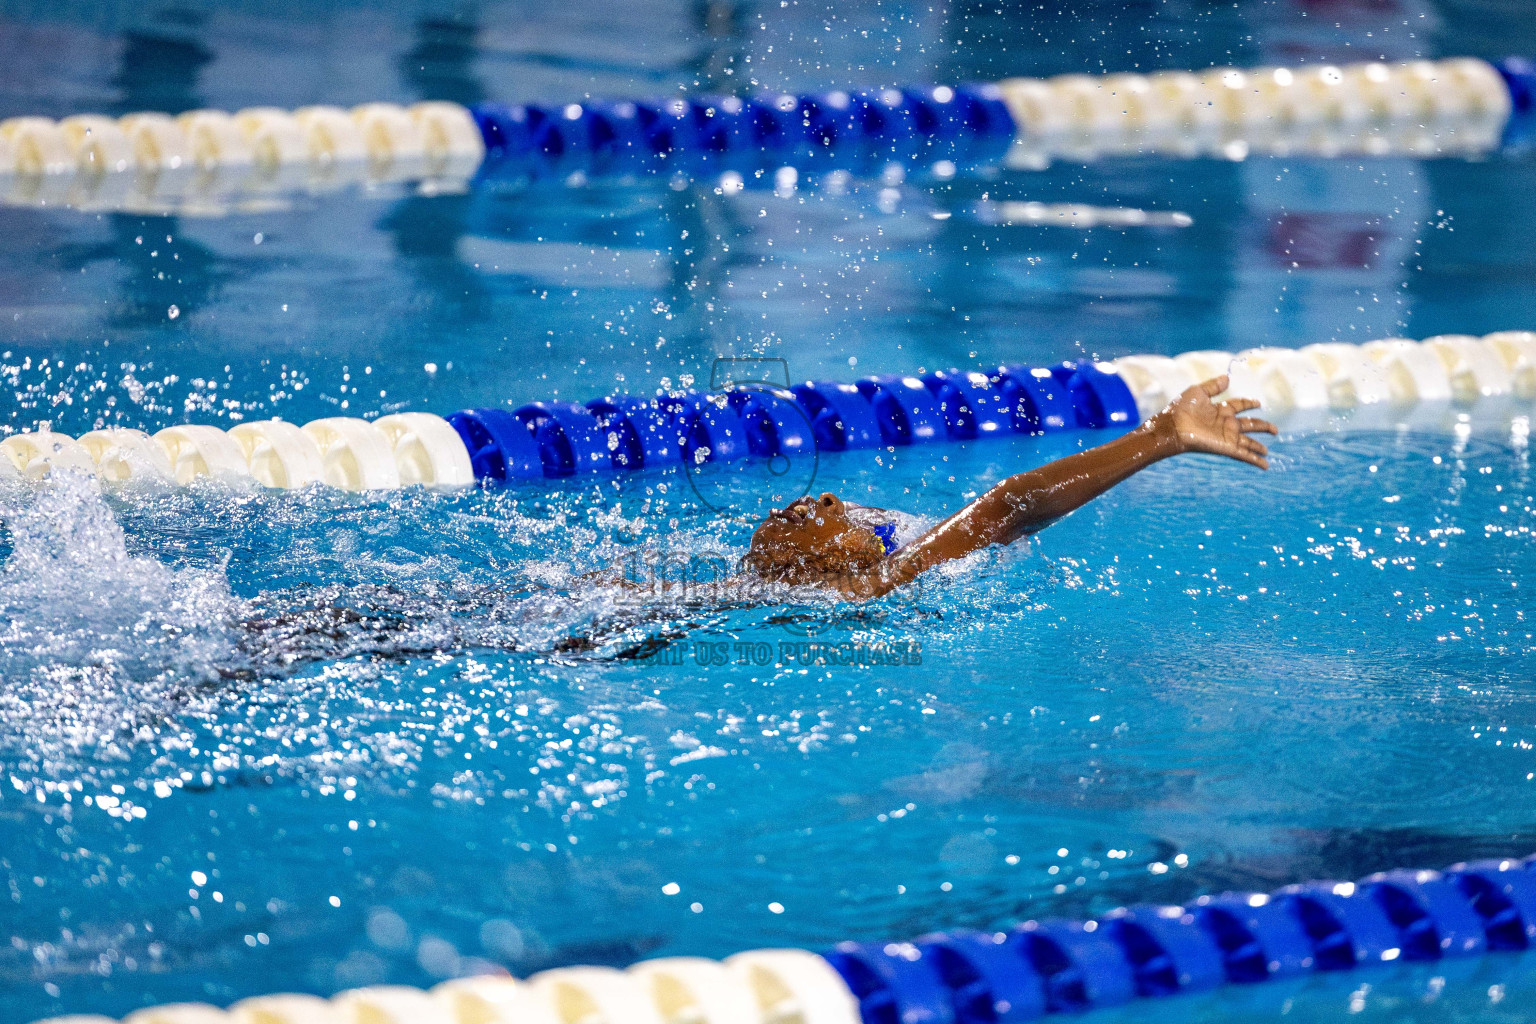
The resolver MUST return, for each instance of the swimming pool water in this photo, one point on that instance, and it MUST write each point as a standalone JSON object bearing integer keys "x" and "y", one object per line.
{"x": 330, "y": 740}
{"x": 1177, "y": 676}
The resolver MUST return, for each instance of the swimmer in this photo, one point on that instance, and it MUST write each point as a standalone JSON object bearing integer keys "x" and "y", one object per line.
{"x": 828, "y": 543}
{"x": 846, "y": 550}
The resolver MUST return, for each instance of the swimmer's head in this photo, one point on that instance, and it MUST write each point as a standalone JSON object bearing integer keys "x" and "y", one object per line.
{"x": 813, "y": 537}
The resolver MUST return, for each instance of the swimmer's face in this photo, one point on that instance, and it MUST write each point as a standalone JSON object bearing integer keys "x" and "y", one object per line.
{"x": 812, "y": 536}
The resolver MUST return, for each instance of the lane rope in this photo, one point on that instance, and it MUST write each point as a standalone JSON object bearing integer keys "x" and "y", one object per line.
{"x": 1452, "y": 383}
{"x": 205, "y": 161}
{"x": 970, "y": 977}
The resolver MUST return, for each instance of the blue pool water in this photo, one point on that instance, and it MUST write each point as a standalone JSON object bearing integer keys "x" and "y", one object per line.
{"x": 254, "y": 741}
{"x": 1159, "y": 677}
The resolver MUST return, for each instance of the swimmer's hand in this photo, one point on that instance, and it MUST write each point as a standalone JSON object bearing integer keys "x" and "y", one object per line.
{"x": 1193, "y": 422}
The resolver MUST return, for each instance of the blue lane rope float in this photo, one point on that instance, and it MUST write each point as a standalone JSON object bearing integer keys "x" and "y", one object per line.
{"x": 1436, "y": 385}
{"x": 500, "y": 448}
{"x": 625, "y": 432}
{"x": 1237, "y": 938}
{"x": 776, "y": 424}
{"x": 966, "y": 123}
{"x": 1519, "y": 74}
{"x": 826, "y": 415}
{"x": 1030, "y": 971}
{"x": 205, "y": 161}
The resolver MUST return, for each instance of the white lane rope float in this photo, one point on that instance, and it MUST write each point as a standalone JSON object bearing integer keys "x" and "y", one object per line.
{"x": 769, "y": 986}
{"x": 203, "y": 161}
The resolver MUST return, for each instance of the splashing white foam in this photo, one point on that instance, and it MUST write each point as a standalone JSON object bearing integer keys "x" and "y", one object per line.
{"x": 91, "y": 635}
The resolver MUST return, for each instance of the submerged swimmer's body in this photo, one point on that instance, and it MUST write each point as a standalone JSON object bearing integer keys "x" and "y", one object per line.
{"x": 821, "y": 543}
{"x": 826, "y": 543}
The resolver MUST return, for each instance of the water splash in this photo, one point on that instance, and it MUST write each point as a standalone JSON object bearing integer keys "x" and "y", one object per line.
{"x": 93, "y": 637}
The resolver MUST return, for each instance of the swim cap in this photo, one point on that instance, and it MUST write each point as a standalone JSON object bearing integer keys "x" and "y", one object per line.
{"x": 873, "y": 520}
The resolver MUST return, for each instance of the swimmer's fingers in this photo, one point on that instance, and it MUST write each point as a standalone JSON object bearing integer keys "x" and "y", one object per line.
{"x": 1252, "y": 452}
{"x": 1249, "y": 444}
{"x": 1254, "y": 425}
{"x": 1241, "y": 404}
{"x": 1214, "y": 386}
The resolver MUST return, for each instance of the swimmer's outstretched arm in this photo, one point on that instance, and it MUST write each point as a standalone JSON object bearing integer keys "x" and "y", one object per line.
{"x": 1027, "y": 502}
